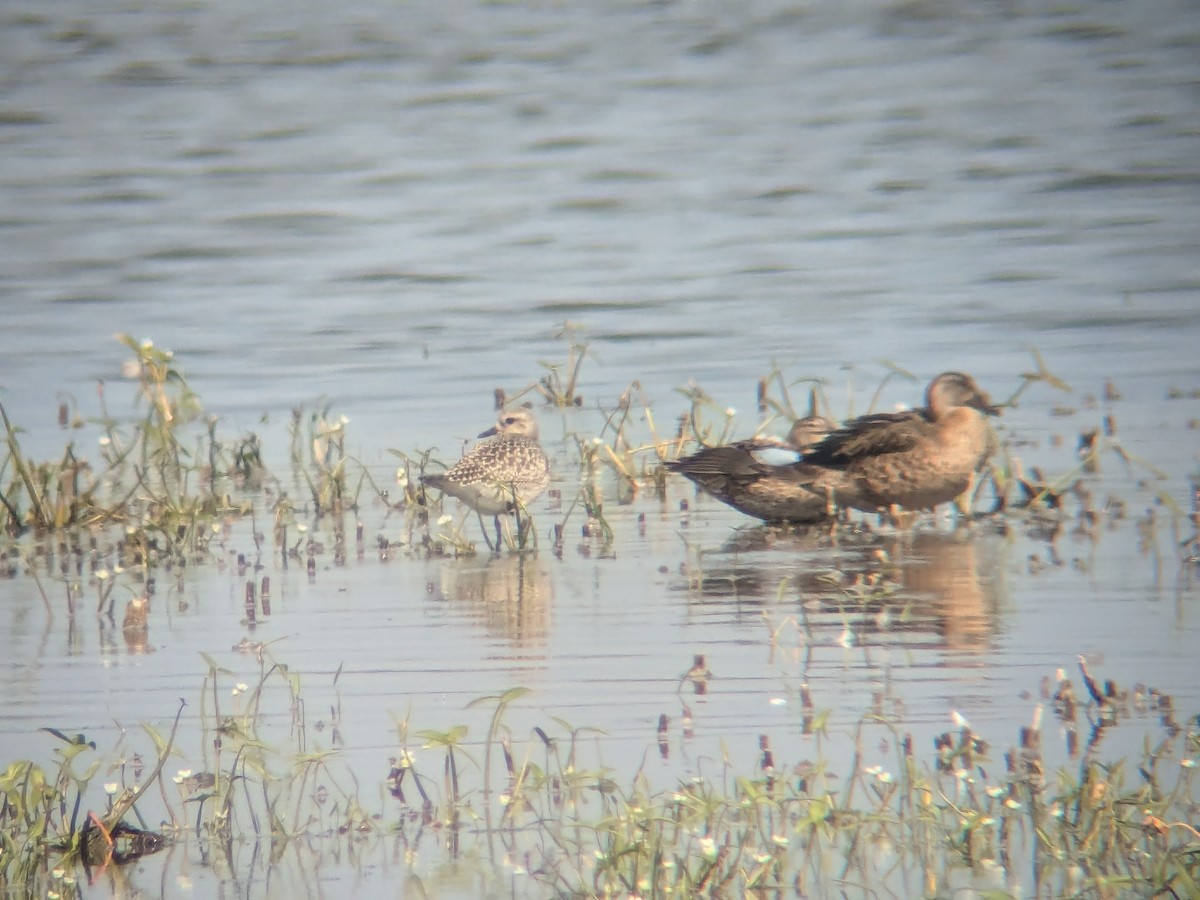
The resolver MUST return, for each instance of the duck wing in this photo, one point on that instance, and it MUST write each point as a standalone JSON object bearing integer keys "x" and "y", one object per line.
{"x": 872, "y": 435}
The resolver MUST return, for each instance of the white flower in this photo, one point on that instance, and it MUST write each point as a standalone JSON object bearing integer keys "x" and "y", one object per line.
{"x": 111, "y": 788}
{"x": 514, "y": 867}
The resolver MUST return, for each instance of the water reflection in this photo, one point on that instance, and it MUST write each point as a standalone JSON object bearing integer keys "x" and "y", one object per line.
{"x": 135, "y": 626}
{"x": 927, "y": 589}
{"x": 953, "y": 580}
{"x": 511, "y": 596}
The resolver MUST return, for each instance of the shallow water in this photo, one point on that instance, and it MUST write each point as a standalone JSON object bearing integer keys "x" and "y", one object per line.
{"x": 394, "y": 211}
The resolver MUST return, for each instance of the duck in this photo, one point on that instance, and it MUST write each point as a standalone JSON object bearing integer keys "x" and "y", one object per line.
{"x": 503, "y": 474}
{"x": 761, "y": 477}
{"x": 912, "y": 460}
{"x": 915, "y": 459}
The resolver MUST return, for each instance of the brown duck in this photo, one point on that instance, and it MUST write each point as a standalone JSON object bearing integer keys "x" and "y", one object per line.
{"x": 914, "y": 459}
{"x": 752, "y": 477}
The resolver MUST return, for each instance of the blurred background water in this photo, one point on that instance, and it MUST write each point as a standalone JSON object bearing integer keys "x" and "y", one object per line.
{"x": 394, "y": 208}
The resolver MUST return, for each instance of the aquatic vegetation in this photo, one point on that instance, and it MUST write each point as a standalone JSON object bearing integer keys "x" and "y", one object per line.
{"x": 147, "y": 476}
{"x": 41, "y": 811}
{"x": 318, "y": 456}
{"x": 924, "y": 826}
{"x": 539, "y": 811}
{"x": 557, "y": 388}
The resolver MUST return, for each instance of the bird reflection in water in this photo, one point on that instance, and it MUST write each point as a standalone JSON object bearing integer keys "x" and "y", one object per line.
{"x": 134, "y": 628}
{"x": 511, "y": 596}
{"x": 952, "y": 578}
{"x": 923, "y": 588}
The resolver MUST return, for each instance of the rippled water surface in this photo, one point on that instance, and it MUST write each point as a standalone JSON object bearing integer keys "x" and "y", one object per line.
{"x": 392, "y": 210}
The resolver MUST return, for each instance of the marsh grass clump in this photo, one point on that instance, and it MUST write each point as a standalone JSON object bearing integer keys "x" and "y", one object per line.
{"x": 700, "y": 406}
{"x": 560, "y": 385}
{"x": 42, "y": 810}
{"x": 634, "y": 459}
{"x": 165, "y": 484}
{"x": 253, "y": 782}
{"x": 277, "y": 783}
{"x": 319, "y": 460}
{"x": 164, "y": 473}
{"x": 591, "y": 494}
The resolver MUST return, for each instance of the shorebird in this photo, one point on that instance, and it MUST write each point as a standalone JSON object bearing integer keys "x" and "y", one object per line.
{"x": 501, "y": 475}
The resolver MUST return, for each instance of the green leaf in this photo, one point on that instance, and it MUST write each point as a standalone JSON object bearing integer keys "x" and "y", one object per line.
{"x": 214, "y": 667}
{"x": 78, "y": 740}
